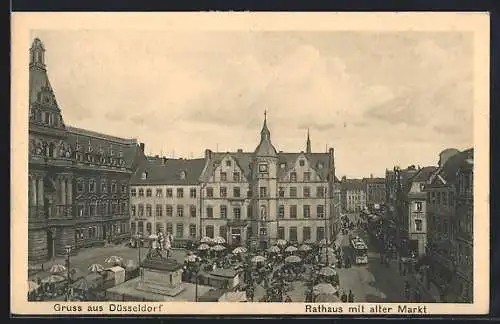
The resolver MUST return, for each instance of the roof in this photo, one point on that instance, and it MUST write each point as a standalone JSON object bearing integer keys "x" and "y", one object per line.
{"x": 170, "y": 172}
{"x": 374, "y": 180}
{"x": 107, "y": 144}
{"x": 352, "y": 184}
{"x": 423, "y": 174}
{"x": 265, "y": 147}
{"x": 448, "y": 172}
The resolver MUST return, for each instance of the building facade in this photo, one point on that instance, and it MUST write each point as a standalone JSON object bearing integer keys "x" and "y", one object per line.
{"x": 259, "y": 197}
{"x": 78, "y": 179}
{"x": 165, "y": 197}
{"x": 353, "y": 192}
{"x": 375, "y": 191}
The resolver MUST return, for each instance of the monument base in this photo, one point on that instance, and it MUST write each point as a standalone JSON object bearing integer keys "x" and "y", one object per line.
{"x": 154, "y": 287}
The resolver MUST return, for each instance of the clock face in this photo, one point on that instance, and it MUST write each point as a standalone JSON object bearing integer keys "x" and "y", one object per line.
{"x": 262, "y": 167}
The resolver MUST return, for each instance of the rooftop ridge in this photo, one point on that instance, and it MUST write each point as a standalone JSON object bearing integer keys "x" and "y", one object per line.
{"x": 86, "y": 132}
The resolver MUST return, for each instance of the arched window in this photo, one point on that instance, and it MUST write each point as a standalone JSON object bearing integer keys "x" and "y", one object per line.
{"x": 263, "y": 213}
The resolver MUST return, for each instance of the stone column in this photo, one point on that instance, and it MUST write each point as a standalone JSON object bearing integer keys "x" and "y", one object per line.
{"x": 69, "y": 192}
{"x": 40, "y": 192}
{"x": 63, "y": 191}
{"x": 33, "y": 191}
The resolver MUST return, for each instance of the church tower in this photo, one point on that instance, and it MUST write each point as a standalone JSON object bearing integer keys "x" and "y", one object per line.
{"x": 264, "y": 187}
{"x": 308, "y": 143}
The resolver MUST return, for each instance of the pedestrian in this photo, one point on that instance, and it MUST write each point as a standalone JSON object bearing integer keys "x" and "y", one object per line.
{"x": 350, "y": 297}
{"x": 288, "y": 299}
{"x": 343, "y": 297}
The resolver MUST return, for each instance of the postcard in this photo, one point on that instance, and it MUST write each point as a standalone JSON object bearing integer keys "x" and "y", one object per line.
{"x": 250, "y": 163}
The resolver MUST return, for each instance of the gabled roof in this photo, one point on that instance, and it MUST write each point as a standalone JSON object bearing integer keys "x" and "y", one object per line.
{"x": 169, "y": 173}
{"x": 352, "y": 184}
{"x": 374, "y": 180}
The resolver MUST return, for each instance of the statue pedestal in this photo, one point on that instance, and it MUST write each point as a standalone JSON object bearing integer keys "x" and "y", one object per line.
{"x": 161, "y": 276}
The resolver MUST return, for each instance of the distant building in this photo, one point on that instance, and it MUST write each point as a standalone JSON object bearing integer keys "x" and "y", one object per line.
{"x": 353, "y": 192}
{"x": 449, "y": 198}
{"x": 262, "y": 196}
{"x": 375, "y": 191}
{"x": 165, "y": 197}
{"x": 78, "y": 179}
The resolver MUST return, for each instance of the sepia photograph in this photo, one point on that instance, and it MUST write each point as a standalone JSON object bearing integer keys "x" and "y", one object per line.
{"x": 252, "y": 158}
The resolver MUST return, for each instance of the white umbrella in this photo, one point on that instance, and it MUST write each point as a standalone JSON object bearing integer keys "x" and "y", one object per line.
{"x": 293, "y": 259}
{"x": 281, "y": 242}
{"x": 324, "y": 288}
{"x": 274, "y": 249}
{"x": 291, "y": 249}
{"x": 190, "y": 258}
{"x": 53, "y": 279}
{"x": 309, "y": 241}
{"x": 114, "y": 259}
{"x": 32, "y": 286}
{"x": 239, "y": 249}
{"x": 219, "y": 240}
{"x": 305, "y": 247}
{"x": 327, "y": 272}
{"x": 130, "y": 264}
{"x": 57, "y": 268}
{"x": 96, "y": 267}
{"x": 203, "y": 247}
{"x": 258, "y": 258}
{"x": 205, "y": 239}
{"x": 323, "y": 242}
{"x": 218, "y": 248}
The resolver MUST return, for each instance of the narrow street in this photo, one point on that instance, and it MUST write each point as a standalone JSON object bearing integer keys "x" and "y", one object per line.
{"x": 373, "y": 282}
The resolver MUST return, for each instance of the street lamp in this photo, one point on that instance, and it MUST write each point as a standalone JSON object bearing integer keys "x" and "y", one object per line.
{"x": 67, "y": 249}
{"x": 197, "y": 268}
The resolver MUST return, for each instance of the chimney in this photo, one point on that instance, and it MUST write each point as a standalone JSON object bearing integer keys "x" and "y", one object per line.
{"x": 164, "y": 160}
{"x": 142, "y": 146}
{"x": 240, "y": 151}
{"x": 208, "y": 154}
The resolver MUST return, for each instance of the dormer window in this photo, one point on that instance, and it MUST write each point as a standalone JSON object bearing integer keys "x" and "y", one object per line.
{"x": 183, "y": 175}
{"x": 228, "y": 163}
{"x": 120, "y": 154}
{"x": 263, "y": 168}
{"x": 283, "y": 165}
{"x": 320, "y": 165}
{"x": 301, "y": 163}
{"x": 144, "y": 175}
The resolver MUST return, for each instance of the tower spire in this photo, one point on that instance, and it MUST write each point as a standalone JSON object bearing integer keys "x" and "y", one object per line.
{"x": 308, "y": 143}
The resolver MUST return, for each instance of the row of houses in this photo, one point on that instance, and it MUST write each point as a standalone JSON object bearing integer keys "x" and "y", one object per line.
{"x": 359, "y": 194}
{"x": 430, "y": 210}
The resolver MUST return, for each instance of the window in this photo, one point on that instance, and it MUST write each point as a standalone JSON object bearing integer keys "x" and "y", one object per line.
{"x": 281, "y": 233}
{"x": 149, "y": 211}
{"x": 192, "y": 231}
{"x": 192, "y": 210}
{"x": 104, "y": 187}
{"x": 180, "y": 211}
{"x": 438, "y": 198}
{"x": 170, "y": 228}
{"x": 141, "y": 210}
{"x": 282, "y": 192}
{"x": 133, "y": 210}
{"x": 149, "y": 192}
{"x": 237, "y": 213}
{"x": 192, "y": 192}
{"x": 445, "y": 199}
{"x": 169, "y": 210}
{"x": 124, "y": 188}
{"x": 179, "y": 230}
{"x": 433, "y": 197}
{"x": 262, "y": 168}
{"x": 236, "y": 192}
{"x": 283, "y": 165}
{"x": 133, "y": 192}
{"x": 228, "y": 163}
{"x": 320, "y": 165}
{"x": 320, "y": 233}
{"x": 263, "y": 231}
{"x": 249, "y": 193}
{"x": 307, "y": 192}
{"x": 223, "y": 176}
{"x": 180, "y": 193}
{"x": 210, "y": 192}
{"x": 306, "y": 211}
{"x": 91, "y": 186}
{"x": 144, "y": 176}
{"x": 281, "y": 212}
{"x": 306, "y": 233}
{"x": 307, "y": 176}
{"x": 451, "y": 201}
{"x": 169, "y": 193}
{"x": 293, "y": 192}
{"x": 301, "y": 163}
{"x": 320, "y": 192}
{"x": 223, "y": 192}
{"x": 223, "y": 211}
{"x": 418, "y": 225}
{"x": 159, "y": 193}
{"x": 293, "y": 211}
{"x": 250, "y": 212}
{"x": 159, "y": 210}
{"x": 113, "y": 187}
{"x": 209, "y": 231}
{"x": 223, "y": 231}
{"x": 236, "y": 176}
{"x": 293, "y": 177}
{"x": 210, "y": 212}
{"x": 418, "y": 206}
{"x": 80, "y": 186}
{"x": 320, "y": 211}
{"x": 262, "y": 192}
{"x": 148, "y": 228}
{"x": 293, "y": 234}
{"x": 141, "y": 192}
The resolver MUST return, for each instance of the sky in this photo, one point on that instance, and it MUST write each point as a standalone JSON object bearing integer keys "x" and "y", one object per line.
{"x": 379, "y": 99}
